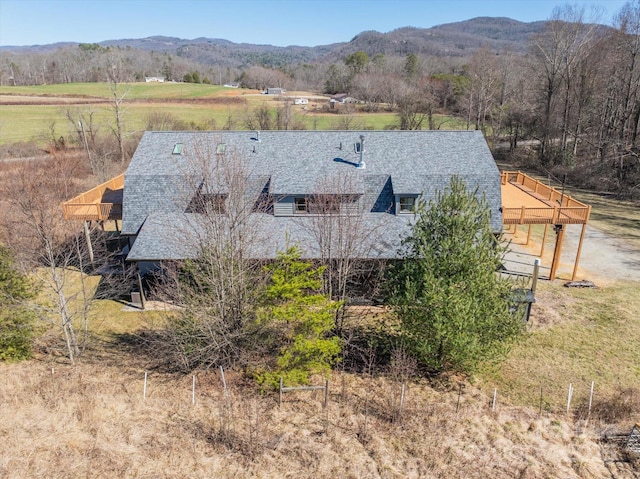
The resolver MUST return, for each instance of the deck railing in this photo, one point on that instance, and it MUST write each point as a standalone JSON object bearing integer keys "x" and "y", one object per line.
{"x": 560, "y": 209}
{"x": 89, "y": 206}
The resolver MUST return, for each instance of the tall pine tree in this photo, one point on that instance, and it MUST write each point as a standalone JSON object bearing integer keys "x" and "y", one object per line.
{"x": 451, "y": 303}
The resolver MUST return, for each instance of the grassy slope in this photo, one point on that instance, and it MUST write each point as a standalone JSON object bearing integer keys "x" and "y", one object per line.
{"x": 578, "y": 336}
{"x": 91, "y": 420}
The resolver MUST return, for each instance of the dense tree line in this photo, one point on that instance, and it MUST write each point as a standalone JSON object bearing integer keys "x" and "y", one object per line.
{"x": 89, "y": 62}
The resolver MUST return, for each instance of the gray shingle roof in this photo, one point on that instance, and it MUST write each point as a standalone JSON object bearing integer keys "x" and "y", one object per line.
{"x": 178, "y": 236}
{"x": 159, "y": 184}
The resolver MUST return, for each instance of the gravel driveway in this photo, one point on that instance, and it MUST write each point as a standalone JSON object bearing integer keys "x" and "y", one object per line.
{"x": 604, "y": 258}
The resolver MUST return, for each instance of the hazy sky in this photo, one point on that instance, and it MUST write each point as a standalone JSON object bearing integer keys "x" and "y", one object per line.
{"x": 275, "y": 22}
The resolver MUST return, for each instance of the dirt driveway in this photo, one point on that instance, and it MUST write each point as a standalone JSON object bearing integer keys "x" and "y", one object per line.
{"x": 604, "y": 258}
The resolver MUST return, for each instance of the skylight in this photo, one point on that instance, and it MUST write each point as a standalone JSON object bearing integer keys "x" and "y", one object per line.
{"x": 177, "y": 149}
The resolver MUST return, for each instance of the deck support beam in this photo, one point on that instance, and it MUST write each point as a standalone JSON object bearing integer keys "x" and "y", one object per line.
{"x": 544, "y": 239}
{"x": 575, "y": 264}
{"x": 557, "y": 252}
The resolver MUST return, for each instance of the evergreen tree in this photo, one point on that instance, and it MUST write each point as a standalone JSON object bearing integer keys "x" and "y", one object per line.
{"x": 16, "y": 321}
{"x": 451, "y": 303}
{"x": 357, "y": 62}
{"x": 303, "y": 319}
{"x": 411, "y": 66}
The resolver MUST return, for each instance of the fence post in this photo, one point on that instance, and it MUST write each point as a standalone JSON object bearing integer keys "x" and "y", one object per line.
{"x": 540, "y": 410}
{"x": 401, "y": 400}
{"x": 193, "y": 390}
{"x": 226, "y": 392}
{"x": 144, "y": 389}
{"x": 495, "y": 395}
{"x": 326, "y": 394}
{"x": 590, "y": 399}
{"x": 569, "y": 397}
{"x": 280, "y": 395}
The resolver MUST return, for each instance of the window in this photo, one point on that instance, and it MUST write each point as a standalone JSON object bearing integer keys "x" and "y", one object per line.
{"x": 300, "y": 205}
{"x": 177, "y": 149}
{"x": 407, "y": 204}
{"x": 324, "y": 204}
{"x": 221, "y": 148}
{"x": 207, "y": 203}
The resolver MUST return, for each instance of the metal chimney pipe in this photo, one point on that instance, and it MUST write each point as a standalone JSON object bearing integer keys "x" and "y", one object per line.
{"x": 361, "y": 164}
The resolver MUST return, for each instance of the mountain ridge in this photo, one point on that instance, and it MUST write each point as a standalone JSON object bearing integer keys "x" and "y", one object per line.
{"x": 457, "y": 39}
{"x": 452, "y": 39}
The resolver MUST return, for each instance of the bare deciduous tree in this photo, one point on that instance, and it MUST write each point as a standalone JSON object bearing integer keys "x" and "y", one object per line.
{"x": 344, "y": 235}
{"x": 219, "y": 288}
{"x": 118, "y": 91}
{"x": 558, "y": 52}
{"x": 37, "y": 233}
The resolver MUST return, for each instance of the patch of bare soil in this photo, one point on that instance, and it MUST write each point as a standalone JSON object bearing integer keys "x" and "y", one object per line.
{"x": 48, "y": 100}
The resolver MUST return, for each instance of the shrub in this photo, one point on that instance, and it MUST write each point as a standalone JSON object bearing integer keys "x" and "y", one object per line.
{"x": 16, "y": 321}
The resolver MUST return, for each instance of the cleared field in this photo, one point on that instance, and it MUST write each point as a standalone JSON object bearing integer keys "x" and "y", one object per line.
{"x": 135, "y": 91}
{"x": 38, "y": 113}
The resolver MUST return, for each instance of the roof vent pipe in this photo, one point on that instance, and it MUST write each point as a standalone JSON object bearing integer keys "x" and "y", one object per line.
{"x": 257, "y": 135}
{"x": 361, "y": 163}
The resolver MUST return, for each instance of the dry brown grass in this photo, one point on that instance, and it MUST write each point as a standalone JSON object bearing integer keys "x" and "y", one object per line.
{"x": 91, "y": 421}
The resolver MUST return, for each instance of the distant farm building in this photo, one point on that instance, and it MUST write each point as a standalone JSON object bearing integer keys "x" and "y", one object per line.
{"x": 154, "y": 79}
{"x": 276, "y": 91}
{"x": 301, "y": 101}
{"x": 343, "y": 98}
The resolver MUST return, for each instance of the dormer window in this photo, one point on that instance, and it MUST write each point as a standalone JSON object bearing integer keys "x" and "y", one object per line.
{"x": 301, "y": 205}
{"x": 406, "y": 204}
{"x": 210, "y": 203}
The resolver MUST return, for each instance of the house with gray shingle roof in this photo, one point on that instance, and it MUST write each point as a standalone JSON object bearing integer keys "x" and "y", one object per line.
{"x": 378, "y": 176}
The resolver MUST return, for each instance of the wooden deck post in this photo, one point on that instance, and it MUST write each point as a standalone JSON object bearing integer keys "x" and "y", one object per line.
{"x": 544, "y": 239}
{"x": 557, "y": 252}
{"x": 529, "y": 234}
{"x": 575, "y": 264}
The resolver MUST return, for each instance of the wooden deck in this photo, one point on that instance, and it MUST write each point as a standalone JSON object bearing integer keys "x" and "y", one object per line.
{"x": 104, "y": 202}
{"x": 526, "y": 201}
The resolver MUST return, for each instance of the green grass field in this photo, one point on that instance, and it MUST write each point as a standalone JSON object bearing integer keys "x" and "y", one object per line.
{"x": 577, "y": 336}
{"x": 198, "y": 106}
{"x": 135, "y": 91}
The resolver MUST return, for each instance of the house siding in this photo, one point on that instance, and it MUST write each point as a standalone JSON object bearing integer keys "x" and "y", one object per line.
{"x": 284, "y": 206}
